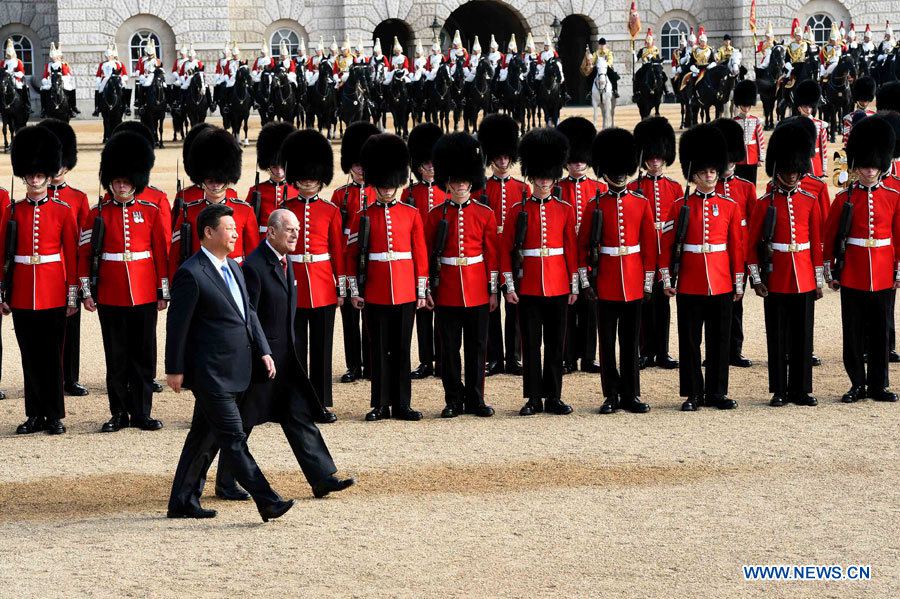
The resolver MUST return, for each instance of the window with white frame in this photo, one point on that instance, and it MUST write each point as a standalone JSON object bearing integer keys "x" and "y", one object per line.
{"x": 820, "y": 24}
{"x": 290, "y": 37}
{"x": 137, "y": 44}
{"x": 669, "y": 37}
{"x": 24, "y": 51}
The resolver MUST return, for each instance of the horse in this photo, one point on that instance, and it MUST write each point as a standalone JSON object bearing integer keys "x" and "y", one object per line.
{"x": 415, "y": 91}
{"x": 836, "y": 97}
{"x": 803, "y": 71}
{"x": 511, "y": 92}
{"x": 532, "y": 109}
{"x": 602, "y": 95}
{"x": 550, "y": 92}
{"x": 714, "y": 90}
{"x": 478, "y": 96}
{"x": 263, "y": 97}
{"x": 683, "y": 88}
{"x": 112, "y": 106}
{"x": 443, "y": 98}
{"x": 396, "y": 99}
{"x": 176, "y": 109}
{"x": 301, "y": 99}
{"x": 239, "y": 106}
{"x": 649, "y": 85}
{"x": 284, "y": 101}
{"x": 354, "y": 104}
{"x": 198, "y": 100}
{"x": 323, "y": 101}
{"x": 57, "y": 102}
{"x": 889, "y": 69}
{"x": 153, "y": 113}
{"x": 12, "y": 108}
{"x": 766, "y": 83}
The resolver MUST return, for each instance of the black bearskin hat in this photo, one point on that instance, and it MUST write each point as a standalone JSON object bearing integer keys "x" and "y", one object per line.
{"x": 893, "y": 119}
{"x": 139, "y": 128}
{"x": 67, "y": 141}
{"x": 889, "y": 96}
{"x": 655, "y": 138}
{"x": 734, "y": 137}
{"x": 268, "y": 143}
{"x": 421, "y": 143}
{"x": 498, "y": 135}
{"x": 745, "y": 93}
{"x": 581, "y": 133}
{"x": 126, "y": 155}
{"x": 195, "y": 131}
{"x": 807, "y": 126}
{"x": 307, "y": 156}
{"x": 871, "y": 144}
{"x": 700, "y": 148}
{"x": 789, "y": 150}
{"x": 543, "y": 153}
{"x": 385, "y": 161}
{"x": 615, "y": 153}
{"x": 351, "y": 144}
{"x": 806, "y": 94}
{"x": 35, "y": 150}
{"x": 216, "y": 155}
{"x": 863, "y": 89}
{"x": 458, "y": 157}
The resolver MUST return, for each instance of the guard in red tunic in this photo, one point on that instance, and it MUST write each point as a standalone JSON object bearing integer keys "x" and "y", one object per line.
{"x": 58, "y": 189}
{"x": 863, "y": 94}
{"x": 348, "y": 198}
{"x": 123, "y": 269}
{"x": 784, "y": 256}
{"x": 745, "y": 96}
{"x": 577, "y": 190}
{"x": 390, "y": 281}
{"x": 215, "y": 165}
{"x": 655, "y": 139}
{"x": 498, "y": 135}
{"x": 744, "y": 193}
{"x": 703, "y": 247}
{"x": 424, "y": 195}
{"x": 539, "y": 262}
{"x": 862, "y": 259}
{"x": 617, "y": 258}
{"x": 462, "y": 246}
{"x": 806, "y": 98}
{"x": 42, "y": 287}
{"x": 318, "y": 262}
{"x": 274, "y": 192}
{"x": 192, "y": 192}
{"x": 152, "y": 194}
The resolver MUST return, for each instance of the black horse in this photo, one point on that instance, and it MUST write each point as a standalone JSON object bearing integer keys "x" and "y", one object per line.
{"x": 889, "y": 69}
{"x": 323, "y": 101}
{"x": 263, "y": 97}
{"x": 550, "y": 93}
{"x": 766, "y": 83}
{"x": 415, "y": 91}
{"x": 355, "y": 104}
{"x": 153, "y": 113}
{"x": 198, "y": 100}
{"x": 836, "y": 97}
{"x": 56, "y": 103}
{"x": 112, "y": 105}
{"x": 649, "y": 85}
{"x": 802, "y": 71}
{"x": 532, "y": 108}
{"x": 683, "y": 87}
{"x": 397, "y": 101}
{"x": 478, "y": 95}
{"x": 301, "y": 99}
{"x": 712, "y": 92}
{"x": 12, "y": 108}
{"x": 511, "y": 93}
{"x": 239, "y": 105}
{"x": 177, "y": 110}
{"x": 443, "y": 97}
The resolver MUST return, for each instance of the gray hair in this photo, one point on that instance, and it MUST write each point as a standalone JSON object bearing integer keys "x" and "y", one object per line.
{"x": 278, "y": 217}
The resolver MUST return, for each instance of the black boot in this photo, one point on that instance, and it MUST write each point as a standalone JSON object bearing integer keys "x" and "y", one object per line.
{"x": 854, "y": 394}
{"x": 45, "y": 101}
{"x": 73, "y": 103}
{"x": 610, "y": 406}
{"x": 96, "y": 104}
{"x": 635, "y": 405}
{"x": 126, "y": 98}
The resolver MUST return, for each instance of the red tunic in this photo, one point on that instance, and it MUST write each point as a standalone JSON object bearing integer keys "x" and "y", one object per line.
{"x": 661, "y": 191}
{"x": 319, "y": 263}
{"x": 744, "y": 193}
{"x": 425, "y": 196}
{"x": 63, "y": 70}
{"x": 158, "y": 198}
{"x": 471, "y": 235}
{"x": 75, "y": 198}
{"x": 818, "y": 188}
{"x": 134, "y": 262}
{"x": 820, "y": 160}
{"x": 847, "y": 122}
{"x": 754, "y": 140}
{"x": 578, "y": 192}
{"x": 346, "y": 198}
{"x": 503, "y": 193}
{"x": 272, "y": 196}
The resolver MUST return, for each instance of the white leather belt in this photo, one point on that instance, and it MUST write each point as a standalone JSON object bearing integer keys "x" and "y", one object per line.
{"x": 542, "y": 252}
{"x": 37, "y": 259}
{"x": 309, "y": 258}
{"x": 462, "y": 260}
{"x": 790, "y": 247}
{"x": 389, "y": 256}
{"x": 863, "y": 243}
{"x": 706, "y": 248}
{"x": 622, "y": 250}
{"x": 125, "y": 256}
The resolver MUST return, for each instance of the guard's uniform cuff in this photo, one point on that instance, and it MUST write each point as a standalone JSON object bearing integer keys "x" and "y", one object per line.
{"x": 827, "y": 271}
{"x": 494, "y": 285}
{"x": 421, "y": 287}
{"x": 342, "y": 286}
{"x": 163, "y": 291}
{"x": 739, "y": 283}
{"x": 573, "y": 283}
{"x": 583, "y": 277}
{"x": 666, "y": 278}
{"x": 648, "y": 281}
{"x": 354, "y": 289}
{"x": 85, "y": 287}
{"x": 510, "y": 283}
{"x": 820, "y": 277}
{"x": 754, "y": 274}
{"x": 72, "y": 296}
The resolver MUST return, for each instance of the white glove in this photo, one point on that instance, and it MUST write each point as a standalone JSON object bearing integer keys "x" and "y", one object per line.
{"x": 694, "y": 69}
{"x": 843, "y": 177}
{"x": 711, "y": 65}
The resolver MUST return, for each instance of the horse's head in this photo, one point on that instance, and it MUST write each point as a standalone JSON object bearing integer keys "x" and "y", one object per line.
{"x": 484, "y": 71}
{"x": 602, "y": 66}
{"x": 734, "y": 63}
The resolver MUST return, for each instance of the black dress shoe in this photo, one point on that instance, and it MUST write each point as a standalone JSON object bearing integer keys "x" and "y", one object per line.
{"x": 76, "y": 390}
{"x": 854, "y": 394}
{"x": 741, "y": 362}
{"x": 332, "y": 484}
{"x": 816, "y": 360}
{"x": 378, "y": 414}
{"x": 407, "y": 414}
{"x": 116, "y": 423}
{"x": 514, "y": 368}
{"x": 350, "y": 376}
{"x": 55, "y": 426}
{"x": 777, "y": 400}
{"x": 645, "y": 362}
{"x": 190, "y": 512}
{"x": 667, "y": 362}
{"x": 532, "y": 407}
{"x": 493, "y": 368}
{"x": 882, "y": 395}
{"x": 31, "y": 425}
{"x": 422, "y": 372}
{"x": 805, "y": 399}
{"x": 893, "y": 357}
{"x": 691, "y": 404}
{"x": 233, "y": 494}
{"x": 635, "y": 405}
{"x": 722, "y": 403}
{"x": 276, "y": 510}
{"x": 2, "y": 395}
{"x": 593, "y": 366}
{"x": 482, "y": 411}
{"x": 147, "y": 424}
{"x": 557, "y": 406}
{"x": 156, "y": 386}
{"x": 610, "y": 405}
{"x": 326, "y": 416}
{"x": 451, "y": 411}
{"x": 569, "y": 367}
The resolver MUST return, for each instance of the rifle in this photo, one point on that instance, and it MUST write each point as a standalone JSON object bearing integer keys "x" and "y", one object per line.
{"x": 363, "y": 240}
{"x": 187, "y": 243}
{"x": 681, "y": 227}
{"x": 12, "y": 242}
{"x": 256, "y": 202}
{"x": 596, "y": 241}
{"x": 519, "y": 241}
{"x": 343, "y": 206}
{"x": 97, "y": 234}
{"x": 179, "y": 190}
{"x": 440, "y": 240}
{"x": 410, "y": 199}
{"x": 843, "y": 232}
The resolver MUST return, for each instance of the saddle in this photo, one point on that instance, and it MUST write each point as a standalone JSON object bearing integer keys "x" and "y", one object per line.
{"x": 687, "y": 78}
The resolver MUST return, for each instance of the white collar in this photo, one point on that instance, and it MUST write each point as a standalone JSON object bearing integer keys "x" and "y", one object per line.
{"x": 212, "y": 258}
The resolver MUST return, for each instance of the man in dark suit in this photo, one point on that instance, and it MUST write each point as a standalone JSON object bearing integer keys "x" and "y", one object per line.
{"x": 213, "y": 338}
{"x": 289, "y": 398}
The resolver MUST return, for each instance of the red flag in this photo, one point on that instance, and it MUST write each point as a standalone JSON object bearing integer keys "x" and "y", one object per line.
{"x": 634, "y": 20}
{"x": 753, "y": 16}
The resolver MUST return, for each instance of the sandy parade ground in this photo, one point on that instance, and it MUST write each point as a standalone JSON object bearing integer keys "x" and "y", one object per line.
{"x": 666, "y": 504}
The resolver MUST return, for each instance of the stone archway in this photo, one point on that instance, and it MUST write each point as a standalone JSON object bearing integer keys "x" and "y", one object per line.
{"x": 388, "y": 29}
{"x": 577, "y": 33}
{"x": 483, "y": 18}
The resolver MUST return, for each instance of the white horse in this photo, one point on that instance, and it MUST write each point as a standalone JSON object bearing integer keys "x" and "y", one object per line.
{"x": 734, "y": 71}
{"x": 602, "y": 96}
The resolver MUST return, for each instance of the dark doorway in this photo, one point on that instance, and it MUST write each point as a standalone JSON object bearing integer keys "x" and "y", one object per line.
{"x": 575, "y": 35}
{"x": 386, "y": 31}
{"x": 482, "y": 18}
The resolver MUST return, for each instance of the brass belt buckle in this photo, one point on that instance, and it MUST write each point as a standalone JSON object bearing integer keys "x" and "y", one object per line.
{"x": 127, "y": 256}
{"x": 870, "y": 242}
{"x": 307, "y": 258}
{"x": 545, "y": 251}
{"x": 500, "y": 230}
{"x": 623, "y": 251}
{"x": 705, "y": 248}
{"x": 792, "y": 247}
{"x": 35, "y": 258}
{"x": 390, "y": 255}
{"x": 462, "y": 261}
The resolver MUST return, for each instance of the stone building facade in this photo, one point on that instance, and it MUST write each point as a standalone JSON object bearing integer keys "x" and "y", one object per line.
{"x": 84, "y": 27}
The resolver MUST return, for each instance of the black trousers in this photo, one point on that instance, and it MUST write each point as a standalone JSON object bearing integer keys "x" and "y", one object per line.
{"x": 581, "y": 324}
{"x": 736, "y": 337}
{"x": 656, "y": 320}
{"x": 624, "y": 318}
{"x": 129, "y": 342}
{"x": 467, "y": 328}
{"x": 72, "y": 349}
{"x": 356, "y": 343}
{"x": 505, "y": 332}
{"x": 314, "y": 332}
{"x": 217, "y": 426}
{"x": 390, "y": 330}
{"x": 429, "y": 347}
{"x": 865, "y": 319}
{"x": 696, "y": 312}
{"x": 542, "y": 319}
{"x": 746, "y": 171}
{"x": 892, "y": 327}
{"x": 41, "y": 335}
{"x": 789, "y": 341}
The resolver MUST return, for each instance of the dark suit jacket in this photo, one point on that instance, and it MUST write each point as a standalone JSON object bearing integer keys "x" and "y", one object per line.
{"x": 274, "y": 298}
{"x": 207, "y": 340}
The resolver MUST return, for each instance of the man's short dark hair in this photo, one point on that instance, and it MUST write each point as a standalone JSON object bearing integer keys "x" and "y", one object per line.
{"x": 210, "y": 217}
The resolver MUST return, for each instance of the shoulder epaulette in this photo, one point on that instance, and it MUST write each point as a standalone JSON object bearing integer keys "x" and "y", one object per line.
{"x": 323, "y": 200}
{"x": 146, "y": 203}
{"x": 439, "y": 206}
{"x": 742, "y": 179}
{"x": 561, "y": 201}
{"x": 637, "y": 193}
{"x": 60, "y": 202}
{"x": 890, "y": 189}
{"x": 726, "y": 198}
{"x": 806, "y": 193}
{"x": 192, "y": 204}
{"x": 240, "y": 202}
{"x": 482, "y": 204}
{"x": 154, "y": 187}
